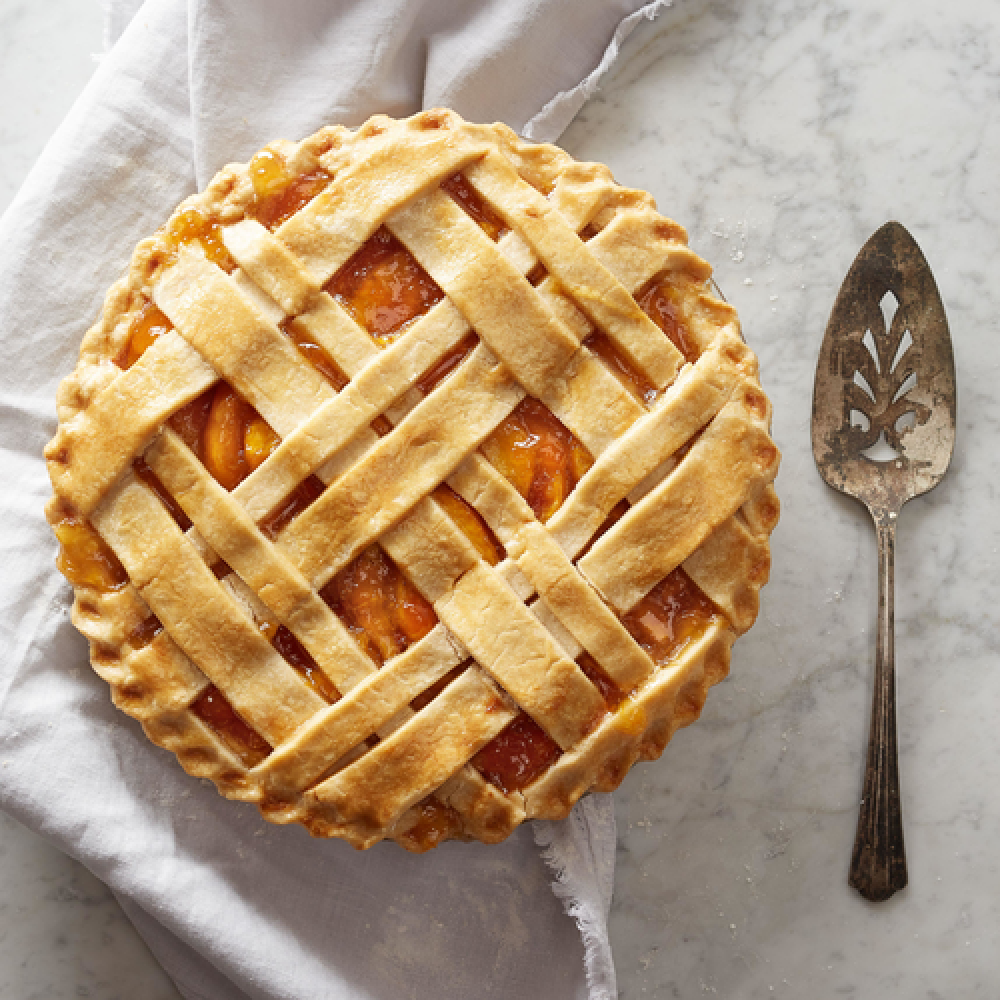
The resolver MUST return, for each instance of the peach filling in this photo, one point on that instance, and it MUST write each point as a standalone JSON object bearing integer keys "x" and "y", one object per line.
{"x": 213, "y": 709}
{"x": 194, "y": 225}
{"x": 145, "y": 632}
{"x": 226, "y": 433}
{"x": 149, "y": 325}
{"x": 85, "y": 559}
{"x": 517, "y": 756}
{"x": 435, "y": 822}
{"x": 672, "y": 615}
{"x": 384, "y": 287}
{"x": 540, "y": 457}
{"x": 278, "y": 193}
{"x": 472, "y": 203}
{"x": 381, "y": 608}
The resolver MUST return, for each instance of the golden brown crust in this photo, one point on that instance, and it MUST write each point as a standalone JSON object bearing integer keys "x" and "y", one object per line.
{"x": 328, "y": 778}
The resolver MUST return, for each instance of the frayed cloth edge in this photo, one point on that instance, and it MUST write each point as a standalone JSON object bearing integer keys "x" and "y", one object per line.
{"x": 583, "y": 883}
{"x": 556, "y": 115}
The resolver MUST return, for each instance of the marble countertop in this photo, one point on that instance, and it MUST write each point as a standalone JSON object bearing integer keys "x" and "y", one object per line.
{"x": 782, "y": 133}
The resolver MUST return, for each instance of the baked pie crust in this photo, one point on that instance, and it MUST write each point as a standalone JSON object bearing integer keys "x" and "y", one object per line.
{"x": 413, "y": 482}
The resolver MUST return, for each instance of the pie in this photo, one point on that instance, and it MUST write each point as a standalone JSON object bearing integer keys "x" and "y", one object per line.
{"x": 413, "y": 482}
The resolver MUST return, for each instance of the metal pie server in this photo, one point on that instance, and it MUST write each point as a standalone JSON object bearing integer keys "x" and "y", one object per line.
{"x": 883, "y": 430}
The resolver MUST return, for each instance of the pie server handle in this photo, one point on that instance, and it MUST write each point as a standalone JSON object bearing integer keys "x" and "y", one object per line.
{"x": 878, "y": 864}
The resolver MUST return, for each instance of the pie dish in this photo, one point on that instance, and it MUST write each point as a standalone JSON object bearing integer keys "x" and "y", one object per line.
{"x": 413, "y": 482}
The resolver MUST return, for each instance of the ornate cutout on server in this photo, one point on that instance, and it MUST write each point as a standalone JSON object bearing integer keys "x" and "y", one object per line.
{"x": 885, "y": 379}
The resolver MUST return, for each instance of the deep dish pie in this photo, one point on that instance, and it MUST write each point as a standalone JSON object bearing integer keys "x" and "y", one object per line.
{"x": 413, "y": 482}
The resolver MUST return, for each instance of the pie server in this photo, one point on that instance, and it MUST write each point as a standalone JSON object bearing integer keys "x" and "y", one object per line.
{"x": 883, "y": 430}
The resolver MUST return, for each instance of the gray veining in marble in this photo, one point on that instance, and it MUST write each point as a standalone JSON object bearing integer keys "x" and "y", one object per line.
{"x": 782, "y": 133}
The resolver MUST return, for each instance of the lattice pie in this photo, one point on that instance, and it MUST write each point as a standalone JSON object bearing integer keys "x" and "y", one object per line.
{"x": 413, "y": 482}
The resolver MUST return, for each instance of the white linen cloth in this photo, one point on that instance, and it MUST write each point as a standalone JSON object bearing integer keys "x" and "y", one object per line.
{"x": 232, "y": 906}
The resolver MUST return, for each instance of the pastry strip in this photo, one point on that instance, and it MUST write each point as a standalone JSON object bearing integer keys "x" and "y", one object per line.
{"x": 659, "y": 533}
{"x": 591, "y": 286}
{"x": 228, "y": 648}
{"x": 243, "y": 346}
{"x": 228, "y": 529}
{"x": 491, "y": 621}
{"x": 328, "y": 231}
{"x": 100, "y": 444}
{"x": 687, "y": 406}
{"x": 418, "y": 758}
{"x": 402, "y": 468}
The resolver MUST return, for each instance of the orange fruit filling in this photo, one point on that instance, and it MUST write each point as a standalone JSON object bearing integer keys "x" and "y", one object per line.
{"x": 148, "y": 326}
{"x": 540, "y": 457}
{"x": 660, "y": 303}
{"x": 226, "y": 433}
{"x": 436, "y": 822}
{"x": 519, "y": 754}
{"x": 278, "y": 194}
{"x": 213, "y": 709}
{"x": 469, "y": 199}
{"x": 670, "y": 616}
{"x": 85, "y": 559}
{"x": 193, "y": 225}
{"x": 145, "y": 632}
{"x": 384, "y": 287}
{"x": 381, "y": 608}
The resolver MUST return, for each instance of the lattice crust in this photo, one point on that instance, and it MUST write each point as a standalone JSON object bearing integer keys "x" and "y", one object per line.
{"x": 352, "y": 747}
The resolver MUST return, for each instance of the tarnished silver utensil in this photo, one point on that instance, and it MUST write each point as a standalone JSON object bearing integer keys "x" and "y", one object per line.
{"x": 883, "y": 430}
